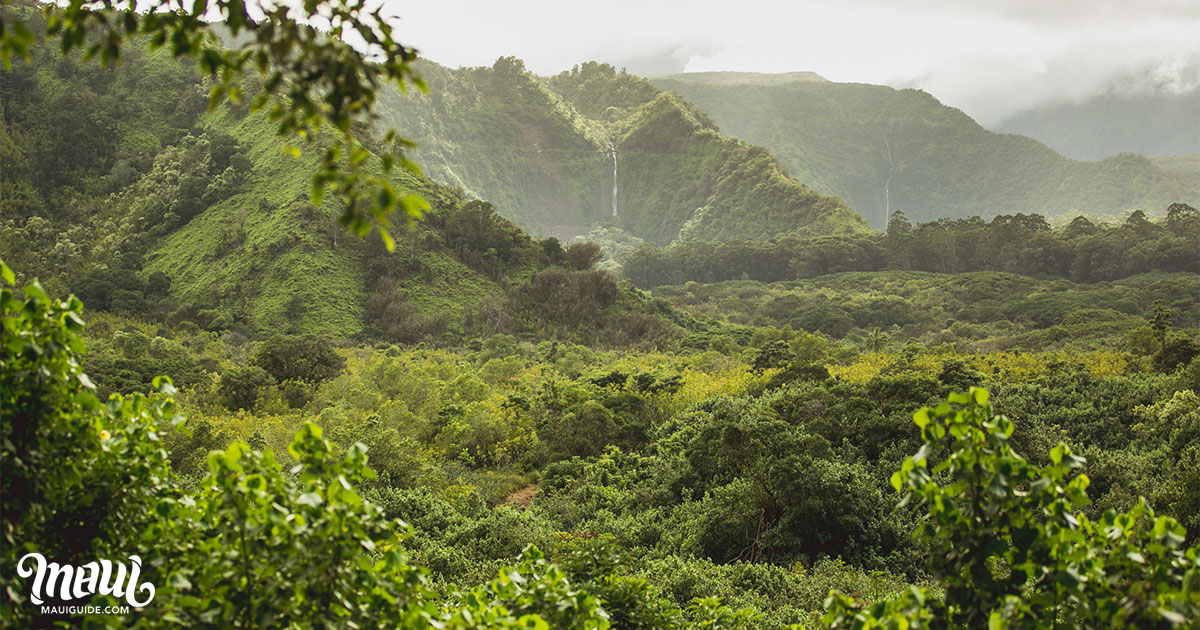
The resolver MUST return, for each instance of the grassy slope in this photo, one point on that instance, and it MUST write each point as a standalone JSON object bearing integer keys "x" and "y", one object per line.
{"x": 836, "y": 137}
{"x": 287, "y": 255}
{"x": 296, "y": 268}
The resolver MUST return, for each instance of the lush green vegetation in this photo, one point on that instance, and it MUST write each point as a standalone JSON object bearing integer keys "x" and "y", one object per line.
{"x": 205, "y": 220}
{"x": 460, "y": 425}
{"x": 313, "y": 83}
{"x": 750, "y": 474}
{"x": 885, "y": 150}
{"x": 981, "y": 312}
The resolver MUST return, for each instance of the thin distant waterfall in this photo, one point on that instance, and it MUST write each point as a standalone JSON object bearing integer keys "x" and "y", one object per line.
{"x": 887, "y": 188}
{"x": 613, "y": 150}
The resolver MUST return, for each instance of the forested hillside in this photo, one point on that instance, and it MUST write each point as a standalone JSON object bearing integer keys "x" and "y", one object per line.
{"x": 885, "y": 150}
{"x": 206, "y": 218}
{"x": 543, "y": 151}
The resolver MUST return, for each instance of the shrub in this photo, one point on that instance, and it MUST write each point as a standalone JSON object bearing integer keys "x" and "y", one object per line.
{"x": 583, "y": 256}
{"x": 241, "y": 387}
{"x": 1010, "y": 550}
{"x": 308, "y": 358}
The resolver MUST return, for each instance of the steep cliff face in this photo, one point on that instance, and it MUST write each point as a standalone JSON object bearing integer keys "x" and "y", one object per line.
{"x": 685, "y": 181}
{"x": 499, "y": 134}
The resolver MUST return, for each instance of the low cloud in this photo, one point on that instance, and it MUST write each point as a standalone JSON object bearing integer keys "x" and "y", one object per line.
{"x": 991, "y": 58}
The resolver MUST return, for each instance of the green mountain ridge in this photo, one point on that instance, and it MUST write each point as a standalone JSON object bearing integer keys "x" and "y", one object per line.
{"x": 741, "y": 78}
{"x": 542, "y": 150}
{"x": 498, "y": 134}
{"x": 884, "y": 150}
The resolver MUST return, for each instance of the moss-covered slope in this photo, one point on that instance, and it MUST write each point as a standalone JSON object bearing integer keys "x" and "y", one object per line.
{"x": 498, "y": 134}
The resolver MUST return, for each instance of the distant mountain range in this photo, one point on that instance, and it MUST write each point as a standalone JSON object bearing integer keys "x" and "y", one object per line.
{"x": 884, "y": 150}
{"x": 111, "y": 174}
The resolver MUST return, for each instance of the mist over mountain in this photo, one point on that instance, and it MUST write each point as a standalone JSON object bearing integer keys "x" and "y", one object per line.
{"x": 1153, "y": 123}
{"x": 883, "y": 150}
{"x": 553, "y": 154}
{"x": 990, "y": 58}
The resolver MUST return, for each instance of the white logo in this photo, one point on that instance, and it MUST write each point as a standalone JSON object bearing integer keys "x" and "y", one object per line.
{"x": 89, "y": 579}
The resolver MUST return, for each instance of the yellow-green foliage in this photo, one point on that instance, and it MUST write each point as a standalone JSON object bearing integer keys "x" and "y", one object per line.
{"x": 1006, "y": 367}
{"x": 445, "y": 406}
{"x": 981, "y": 312}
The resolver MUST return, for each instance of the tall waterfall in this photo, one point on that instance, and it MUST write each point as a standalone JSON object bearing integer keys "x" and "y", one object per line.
{"x": 613, "y": 150}
{"x": 887, "y": 189}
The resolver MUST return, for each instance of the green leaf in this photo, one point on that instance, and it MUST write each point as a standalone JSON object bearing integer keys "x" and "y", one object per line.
{"x": 921, "y": 417}
{"x": 214, "y": 96}
{"x": 180, "y": 581}
{"x": 34, "y": 290}
{"x": 1171, "y": 616}
{"x": 387, "y": 240}
{"x": 163, "y": 384}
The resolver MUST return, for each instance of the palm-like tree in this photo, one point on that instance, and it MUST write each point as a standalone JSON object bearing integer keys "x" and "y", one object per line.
{"x": 877, "y": 339}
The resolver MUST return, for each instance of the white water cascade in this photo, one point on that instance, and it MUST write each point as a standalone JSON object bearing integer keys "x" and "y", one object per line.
{"x": 887, "y": 188}
{"x": 613, "y": 150}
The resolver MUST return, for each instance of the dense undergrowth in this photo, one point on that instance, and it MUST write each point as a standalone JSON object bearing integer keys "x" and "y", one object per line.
{"x": 1081, "y": 251}
{"x": 758, "y": 478}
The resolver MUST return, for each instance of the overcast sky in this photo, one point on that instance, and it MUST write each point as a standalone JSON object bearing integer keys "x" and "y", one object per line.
{"x": 990, "y": 58}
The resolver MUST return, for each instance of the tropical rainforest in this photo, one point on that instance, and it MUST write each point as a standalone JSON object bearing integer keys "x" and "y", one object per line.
{"x": 570, "y": 356}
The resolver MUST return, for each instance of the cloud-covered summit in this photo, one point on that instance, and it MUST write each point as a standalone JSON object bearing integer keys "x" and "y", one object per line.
{"x": 990, "y": 58}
